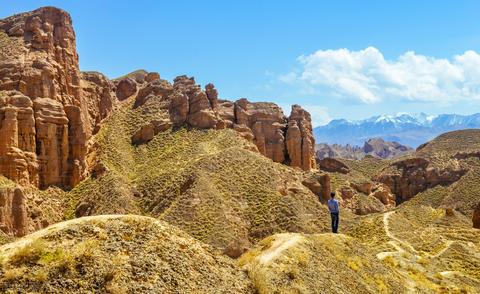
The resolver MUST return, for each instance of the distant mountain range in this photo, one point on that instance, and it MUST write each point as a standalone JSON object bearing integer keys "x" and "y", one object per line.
{"x": 407, "y": 129}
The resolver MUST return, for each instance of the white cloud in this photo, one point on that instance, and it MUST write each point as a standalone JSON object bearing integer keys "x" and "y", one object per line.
{"x": 367, "y": 76}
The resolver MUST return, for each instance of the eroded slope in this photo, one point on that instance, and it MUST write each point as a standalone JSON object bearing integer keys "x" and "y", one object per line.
{"x": 116, "y": 254}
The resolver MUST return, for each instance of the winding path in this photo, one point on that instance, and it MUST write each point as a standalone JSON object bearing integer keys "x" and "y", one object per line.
{"x": 399, "y": 244}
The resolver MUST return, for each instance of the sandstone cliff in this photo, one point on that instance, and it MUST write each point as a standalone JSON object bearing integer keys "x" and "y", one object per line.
{"x": 285, "y": 140}
{"x": 47, "y": 110}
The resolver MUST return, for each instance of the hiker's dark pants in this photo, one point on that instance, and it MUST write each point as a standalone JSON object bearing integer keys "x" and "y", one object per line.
{"x": 335, "y": 219}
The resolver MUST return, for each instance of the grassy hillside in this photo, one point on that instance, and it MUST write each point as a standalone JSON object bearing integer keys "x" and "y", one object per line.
{"x": 432, "y": 250}
{"x": 322, "y": 263}
{"x": 208, "y": 183}
{"x": 116, "y": 254}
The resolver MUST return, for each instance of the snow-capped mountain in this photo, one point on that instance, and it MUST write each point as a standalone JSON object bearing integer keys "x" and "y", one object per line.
{"x": 408, "y": 129}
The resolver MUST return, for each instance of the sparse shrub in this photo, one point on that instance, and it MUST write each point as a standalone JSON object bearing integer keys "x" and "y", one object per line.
{"x": 29, "y": 253}
{"x": 381, "y": 286}
{"x": 14, "y": 273}
{"x": 39, "y": 275}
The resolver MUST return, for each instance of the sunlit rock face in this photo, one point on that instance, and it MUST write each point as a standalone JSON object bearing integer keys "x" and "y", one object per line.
{"x": 48, "y": 109}
{"x": 284, "y": 140}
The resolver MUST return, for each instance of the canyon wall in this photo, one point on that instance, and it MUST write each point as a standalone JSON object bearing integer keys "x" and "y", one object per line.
{"x": 48, "y": 109}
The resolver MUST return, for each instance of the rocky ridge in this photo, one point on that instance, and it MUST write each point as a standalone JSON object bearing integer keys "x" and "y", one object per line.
{"x": 284, "y": 140}
{"x": 50, "y": 110}
{"x": 375, "y": 147}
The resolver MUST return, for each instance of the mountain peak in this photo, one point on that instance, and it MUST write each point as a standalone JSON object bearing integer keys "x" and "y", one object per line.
{"x": 404, "y": 128}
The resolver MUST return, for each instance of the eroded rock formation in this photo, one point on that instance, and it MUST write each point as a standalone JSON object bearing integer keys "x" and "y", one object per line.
{"x": 319, "y": 184}
{"x": 333, "y": 165}
{"x": 48, "y": 109}
{"x": 285, "y": 140}
{"x": 126, "y": 88}
{"x": 414, "y": 175}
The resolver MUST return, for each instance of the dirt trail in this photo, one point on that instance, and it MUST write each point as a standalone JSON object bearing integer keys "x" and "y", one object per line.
{"x": 401, "y": 245}
{"x": 406, "y": 254}
{"x": 394, "y": 242}
{"x": 281, "y": 243}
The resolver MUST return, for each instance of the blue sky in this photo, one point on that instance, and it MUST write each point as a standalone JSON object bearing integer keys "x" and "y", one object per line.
{"x": 340, "y": 59}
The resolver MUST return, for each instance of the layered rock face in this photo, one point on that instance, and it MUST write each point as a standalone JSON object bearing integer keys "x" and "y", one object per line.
{"x": 98, "y": 93}
{"x": 284, "y": 140}
{"x": 18, "y": 138}
{"x": 47, "y": 113}
{"x": 415, "y": 175}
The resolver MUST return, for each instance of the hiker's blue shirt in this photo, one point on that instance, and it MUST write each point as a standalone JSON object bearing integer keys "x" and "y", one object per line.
{"x": 333, "y": 205}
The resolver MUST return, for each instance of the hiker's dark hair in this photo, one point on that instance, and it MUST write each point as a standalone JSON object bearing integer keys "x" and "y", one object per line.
{"x": 332, "y": 194}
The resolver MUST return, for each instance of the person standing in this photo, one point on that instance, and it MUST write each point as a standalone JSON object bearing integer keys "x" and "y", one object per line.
{"x": 334, "y": 212}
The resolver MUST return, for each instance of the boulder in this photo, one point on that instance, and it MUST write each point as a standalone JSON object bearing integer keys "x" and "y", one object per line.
{"x": 161, "y": 125}
{"x": 333, "y": 165}
{"x": 99, "y": 170}
{"x": 362, "y": 187}
{"x": 476, "y": 217}
{"x": 144, "y": 134}
{"x": 152, "y": 76}
{"x": 126, "y": 88}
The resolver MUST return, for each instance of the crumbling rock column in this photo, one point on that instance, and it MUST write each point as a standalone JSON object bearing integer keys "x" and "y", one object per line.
{"x": 300, "y": 141}
{"x": 13, "y": 212}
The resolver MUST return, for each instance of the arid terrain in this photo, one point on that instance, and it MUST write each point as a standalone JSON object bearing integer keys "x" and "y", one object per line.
{"x": 142, "y": 185}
